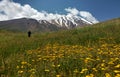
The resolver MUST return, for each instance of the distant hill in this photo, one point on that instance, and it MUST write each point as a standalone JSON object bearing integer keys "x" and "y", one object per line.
{"x": 106, "y": 31}
{"x": 25, "y": 24}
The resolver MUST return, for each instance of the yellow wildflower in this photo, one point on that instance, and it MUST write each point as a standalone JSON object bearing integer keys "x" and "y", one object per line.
{"x": 107, "y": 75}
{"x": 76, "y": 71}
{"x": 111, "y": 62}
{"x": 91, "y": 75}
{"x": 22, "y": 66}
{"x": 116, "y": 71}
{"x": 83, "y": 70}
{"x": 20, "y": 72}
{"x": 111, "y": 53}
{"x": 117, "y": 75}
{"x": 94, "y": 69}
{"x": 87, "y": 60}
{"x": 103, "y": 60}
{"x": 17, "y": 67}
{"x": 58, "y": 75}
{"x": 117, "y": 66}
{"x": 102, "y": 68}
{"x": 23, "y": 63}
{"x": 47, "y": 70}
{"x": 58, "y": 65}
{"x": 33, "y": 60}
{"x": 102, "y": 64}
{"x": 53, "y": 65}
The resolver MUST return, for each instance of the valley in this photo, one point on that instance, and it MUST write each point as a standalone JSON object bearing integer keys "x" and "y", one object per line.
{"x": 90, "y": 51}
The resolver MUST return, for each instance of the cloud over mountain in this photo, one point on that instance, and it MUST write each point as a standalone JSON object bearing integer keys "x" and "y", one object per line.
{"x": 11, "y": 10}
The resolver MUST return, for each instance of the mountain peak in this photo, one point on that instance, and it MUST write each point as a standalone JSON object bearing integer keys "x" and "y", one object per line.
{"x": 68, "y": 21}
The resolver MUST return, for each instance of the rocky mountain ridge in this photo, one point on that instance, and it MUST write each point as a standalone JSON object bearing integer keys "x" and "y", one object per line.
{"x": 25, "y": 24}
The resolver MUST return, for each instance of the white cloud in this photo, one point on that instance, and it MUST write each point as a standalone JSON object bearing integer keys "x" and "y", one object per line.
{"x": 88, "y": 16}
{"x": 11, "y": 10}
{"x": 72, "y": 11}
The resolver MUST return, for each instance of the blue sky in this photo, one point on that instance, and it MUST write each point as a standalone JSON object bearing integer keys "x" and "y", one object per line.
{"x": 100, "y": 9}
{"x": 94, "y": 10}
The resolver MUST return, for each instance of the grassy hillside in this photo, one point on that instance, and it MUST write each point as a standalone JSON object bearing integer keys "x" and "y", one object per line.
{"x": 81, "y": 52}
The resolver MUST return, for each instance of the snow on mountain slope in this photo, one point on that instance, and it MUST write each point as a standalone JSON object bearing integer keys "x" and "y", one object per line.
{"x": 68, "y": 21}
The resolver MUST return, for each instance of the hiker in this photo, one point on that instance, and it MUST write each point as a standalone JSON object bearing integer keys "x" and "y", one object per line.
{"x": 29, "y": 33}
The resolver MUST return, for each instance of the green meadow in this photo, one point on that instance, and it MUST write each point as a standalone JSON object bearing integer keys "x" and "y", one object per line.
{"x": 90, "y": 51}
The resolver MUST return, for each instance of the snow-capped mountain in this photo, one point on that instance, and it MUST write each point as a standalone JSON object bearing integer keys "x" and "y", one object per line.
{"x": 63, "y": 22}
{"x": 67, "y": 22}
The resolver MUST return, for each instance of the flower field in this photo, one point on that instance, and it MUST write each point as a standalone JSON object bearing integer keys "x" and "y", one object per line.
{"x": 92, "y": 51}
{"x": 57, "y": 60}
{"x": 70, "y": 61}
